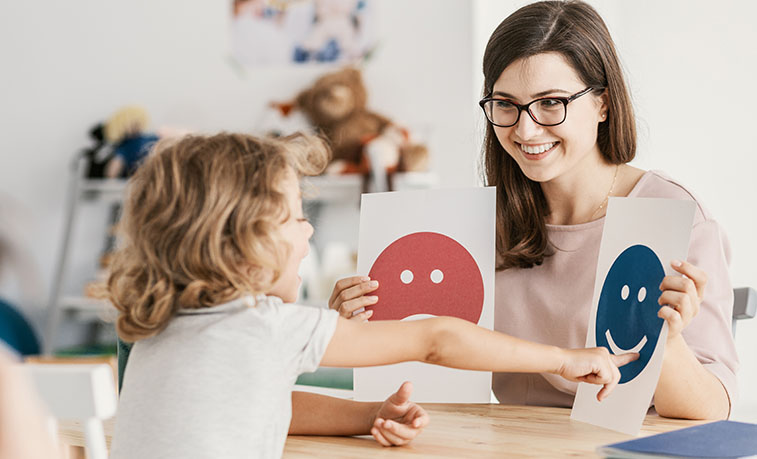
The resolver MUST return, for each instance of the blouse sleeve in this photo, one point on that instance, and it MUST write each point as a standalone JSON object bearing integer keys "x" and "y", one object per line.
{"x": 709, "y": 333}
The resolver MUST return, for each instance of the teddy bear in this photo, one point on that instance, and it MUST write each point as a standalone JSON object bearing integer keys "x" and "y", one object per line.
{"x": 362, "y": 141}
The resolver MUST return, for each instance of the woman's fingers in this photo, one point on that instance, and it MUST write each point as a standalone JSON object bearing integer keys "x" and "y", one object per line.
{"x": 680, "y": 302}
{"x": 673, "y": 318}
{"x": 698, "y": 276}
{"x": 363, "y": 316}
{"x": 343, "y": 284}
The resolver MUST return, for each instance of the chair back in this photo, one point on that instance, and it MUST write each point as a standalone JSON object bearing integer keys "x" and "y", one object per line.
{"x": 744, "y": 305}
{"x": 84, "y": 393}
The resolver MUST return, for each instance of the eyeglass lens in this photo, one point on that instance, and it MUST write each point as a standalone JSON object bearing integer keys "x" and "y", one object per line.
{"x": 543, "y": 111}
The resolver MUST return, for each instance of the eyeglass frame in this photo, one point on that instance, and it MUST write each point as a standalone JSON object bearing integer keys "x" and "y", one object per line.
{"x": 565, "y": 101}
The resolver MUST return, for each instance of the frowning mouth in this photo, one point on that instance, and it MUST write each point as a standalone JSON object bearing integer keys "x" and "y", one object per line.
{"x": 617, "y": 350}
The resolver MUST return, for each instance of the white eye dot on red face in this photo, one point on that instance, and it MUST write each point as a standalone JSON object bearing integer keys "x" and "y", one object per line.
{"x": 642, "y": 294}
{"x": 624, "y": 292}
{"x": 406, "y": 276}
{"x": 436, "y": 276}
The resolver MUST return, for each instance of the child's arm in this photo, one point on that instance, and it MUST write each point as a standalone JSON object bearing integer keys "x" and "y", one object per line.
{"x": 395, "y": 421}
{"x": 457, "y": 343}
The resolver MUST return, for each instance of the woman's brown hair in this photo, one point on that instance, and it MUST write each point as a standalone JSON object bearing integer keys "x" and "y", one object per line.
{"x": 576, "y": 31}
{"x": 201, "y": 225}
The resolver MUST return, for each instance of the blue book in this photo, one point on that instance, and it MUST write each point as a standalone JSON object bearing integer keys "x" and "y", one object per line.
{"x": 722, "y": 439}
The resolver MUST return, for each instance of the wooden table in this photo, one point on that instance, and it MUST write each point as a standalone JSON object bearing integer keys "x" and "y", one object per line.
{"x": 466, "y": 431}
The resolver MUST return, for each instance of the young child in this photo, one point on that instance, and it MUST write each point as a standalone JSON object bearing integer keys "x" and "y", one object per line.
{"x": 214, "y": 234}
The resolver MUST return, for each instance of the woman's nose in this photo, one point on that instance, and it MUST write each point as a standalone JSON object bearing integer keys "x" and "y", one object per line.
{"x": 527, "y": 128}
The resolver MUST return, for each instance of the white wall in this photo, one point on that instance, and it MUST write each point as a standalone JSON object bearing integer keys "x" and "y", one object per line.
{"x": 690, "y": 67}
{"x": 68, "y": 65}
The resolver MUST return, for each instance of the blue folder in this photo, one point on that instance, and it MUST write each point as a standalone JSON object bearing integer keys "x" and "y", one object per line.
{"x": 722, "y": 439}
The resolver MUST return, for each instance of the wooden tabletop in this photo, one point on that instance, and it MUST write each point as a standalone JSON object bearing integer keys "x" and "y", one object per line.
{"x": 465, "y": 431}
{"x": 485, "y": 431}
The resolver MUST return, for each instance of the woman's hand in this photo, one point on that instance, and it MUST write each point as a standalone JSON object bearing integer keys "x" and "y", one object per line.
{"x": 681, "y": 297}
{"x": 349, "y": 295}
{"x": 398, "y": 420}
{"x": 595, "y": 366}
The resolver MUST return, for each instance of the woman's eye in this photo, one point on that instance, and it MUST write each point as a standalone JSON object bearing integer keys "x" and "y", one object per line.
{"x": 503, "y": 105}
{"x": 550, "y": 104}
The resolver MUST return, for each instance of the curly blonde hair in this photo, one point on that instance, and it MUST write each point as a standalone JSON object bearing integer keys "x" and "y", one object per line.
{"x": 201, "y": 225}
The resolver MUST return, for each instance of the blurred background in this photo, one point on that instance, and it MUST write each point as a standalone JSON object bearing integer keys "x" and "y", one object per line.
{"x": 67, "y": 66}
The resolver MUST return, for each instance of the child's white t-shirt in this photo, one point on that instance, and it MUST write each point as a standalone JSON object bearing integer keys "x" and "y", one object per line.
{"x": 217, "y": 382}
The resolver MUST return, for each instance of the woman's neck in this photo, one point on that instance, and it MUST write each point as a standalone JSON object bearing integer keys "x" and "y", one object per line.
{"x": 580, "y": 195}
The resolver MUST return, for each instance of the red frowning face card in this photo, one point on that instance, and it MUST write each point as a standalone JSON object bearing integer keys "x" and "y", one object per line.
{"x": 427, "y": 273}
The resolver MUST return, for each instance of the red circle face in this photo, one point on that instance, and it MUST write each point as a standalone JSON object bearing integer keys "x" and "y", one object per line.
{"x": 427, "y": 273}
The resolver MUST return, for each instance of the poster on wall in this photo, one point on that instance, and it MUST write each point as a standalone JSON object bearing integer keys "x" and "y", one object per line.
{"x": 641, "y": 237}
{"x": 284, "y": 32}
{"x": 432, "y": 252}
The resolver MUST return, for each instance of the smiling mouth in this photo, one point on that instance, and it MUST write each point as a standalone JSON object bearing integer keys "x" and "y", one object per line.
{"x": 537, "y": 149}
{"x": 617, "y": 350}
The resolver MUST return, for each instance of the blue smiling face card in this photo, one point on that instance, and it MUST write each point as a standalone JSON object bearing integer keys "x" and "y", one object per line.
{"x": 627, "y": 312}
{"x": 641, "y": 236}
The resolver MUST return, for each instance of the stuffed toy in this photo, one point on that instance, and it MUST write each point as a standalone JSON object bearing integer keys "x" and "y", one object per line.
{"x": 126, "y": 130}
{"x": 361, "y": 140}
{"x": 98, "y": 154}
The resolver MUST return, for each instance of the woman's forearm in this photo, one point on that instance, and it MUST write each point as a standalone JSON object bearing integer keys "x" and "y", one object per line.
{"x": 686, "y": 389}
{"x": 315, "y": 414}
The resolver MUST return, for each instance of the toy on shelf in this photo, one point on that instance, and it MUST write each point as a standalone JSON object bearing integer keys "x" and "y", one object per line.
{"x": 126, "y": 129}
{"x": 97, "y": 155}
{"x": 362, "y": 141}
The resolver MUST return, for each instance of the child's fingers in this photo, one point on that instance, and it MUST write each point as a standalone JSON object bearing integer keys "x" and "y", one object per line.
{"x": 622, "y": 359}
{"x": 344, "y": 284}
{"x": 379, "y": 437}
{"x": 396, "y": 433}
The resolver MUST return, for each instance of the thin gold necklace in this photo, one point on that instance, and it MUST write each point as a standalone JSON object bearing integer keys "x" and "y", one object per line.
{"x": 604, "y": 201}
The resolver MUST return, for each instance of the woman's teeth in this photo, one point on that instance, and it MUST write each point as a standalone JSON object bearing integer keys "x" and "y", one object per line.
{"x": 537, "y": 149}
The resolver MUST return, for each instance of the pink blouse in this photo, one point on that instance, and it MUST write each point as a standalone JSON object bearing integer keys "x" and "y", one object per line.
{"x": 551, "y": 303}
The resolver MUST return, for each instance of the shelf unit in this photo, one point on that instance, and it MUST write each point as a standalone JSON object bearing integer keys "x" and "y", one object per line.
{"x": 318, "y": 191}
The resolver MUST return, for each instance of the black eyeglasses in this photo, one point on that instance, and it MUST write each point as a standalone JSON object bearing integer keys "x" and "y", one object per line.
{"x": 547, "y": 111}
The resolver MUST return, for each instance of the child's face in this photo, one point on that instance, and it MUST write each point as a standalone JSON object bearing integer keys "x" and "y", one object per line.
{"x": 297, "y": 231}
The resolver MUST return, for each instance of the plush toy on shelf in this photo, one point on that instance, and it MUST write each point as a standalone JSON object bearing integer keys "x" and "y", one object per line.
{"x": 362, "y": 141}
{"x": 126, "y": 130}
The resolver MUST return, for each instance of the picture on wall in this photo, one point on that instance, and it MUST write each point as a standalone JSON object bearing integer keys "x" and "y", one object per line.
{"x": 284, "y": 32}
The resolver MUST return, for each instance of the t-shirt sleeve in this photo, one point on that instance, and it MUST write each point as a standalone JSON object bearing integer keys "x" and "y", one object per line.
{"x": 709, "y": 333}
{"x": 302, "y": 334}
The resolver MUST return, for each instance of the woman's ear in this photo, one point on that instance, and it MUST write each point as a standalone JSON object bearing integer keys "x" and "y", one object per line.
{"x": 604, "y": 106}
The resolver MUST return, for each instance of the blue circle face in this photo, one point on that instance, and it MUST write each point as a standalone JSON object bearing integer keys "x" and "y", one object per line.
{"x": 627, "y": 312}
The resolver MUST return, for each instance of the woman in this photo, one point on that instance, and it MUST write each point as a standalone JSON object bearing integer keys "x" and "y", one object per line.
{"x": 560, "y": 134}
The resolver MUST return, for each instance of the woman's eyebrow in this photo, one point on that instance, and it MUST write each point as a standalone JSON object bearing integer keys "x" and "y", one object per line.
{"x": 533, "y": 96}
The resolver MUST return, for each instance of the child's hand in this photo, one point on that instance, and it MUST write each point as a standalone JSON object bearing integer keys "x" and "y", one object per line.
{"x": 399, "y": 420}
{"x": 349, "y": 296}
{"x": 595, "y": 366}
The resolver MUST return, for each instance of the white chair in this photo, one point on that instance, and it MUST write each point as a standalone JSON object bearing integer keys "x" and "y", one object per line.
{"x": 83, "y": 393}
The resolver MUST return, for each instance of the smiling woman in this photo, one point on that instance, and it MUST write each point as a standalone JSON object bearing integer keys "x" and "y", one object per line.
{"x": 555, "y": 167}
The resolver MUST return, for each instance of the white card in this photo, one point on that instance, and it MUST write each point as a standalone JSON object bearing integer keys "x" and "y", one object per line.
{"x": 641, "y": 237}
{"x": 432, "y": 252}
